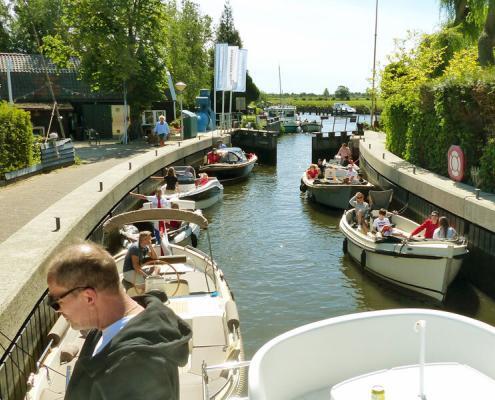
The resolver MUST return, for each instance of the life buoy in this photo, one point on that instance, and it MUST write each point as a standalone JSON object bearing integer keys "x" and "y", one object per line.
{"x": 344, "y": 246}
{"x": 456, "y": 162}
{"x": 363, "y": 259}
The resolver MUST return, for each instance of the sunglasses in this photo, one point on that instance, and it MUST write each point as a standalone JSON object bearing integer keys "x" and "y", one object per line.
{"x": 53, "y": 301}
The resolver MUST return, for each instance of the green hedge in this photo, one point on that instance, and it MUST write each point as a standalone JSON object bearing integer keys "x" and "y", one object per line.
{"x": 16, "y": 139}
{"x": 446, "y": 112}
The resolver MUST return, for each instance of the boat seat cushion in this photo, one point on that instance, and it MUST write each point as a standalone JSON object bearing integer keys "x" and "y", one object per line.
{"x": 208, "y": 331}
{"x": 196, "y": 282}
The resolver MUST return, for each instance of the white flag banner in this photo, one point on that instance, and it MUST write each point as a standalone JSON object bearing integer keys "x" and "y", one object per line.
{"x": 171, "y": 86}
{"x": 221, "y": 66}
{"x": 233, "y": 59}
{"x": 240, "y": 83}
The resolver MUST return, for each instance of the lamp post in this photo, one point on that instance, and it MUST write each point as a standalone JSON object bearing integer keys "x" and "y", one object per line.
{"x": 180, "y": 86}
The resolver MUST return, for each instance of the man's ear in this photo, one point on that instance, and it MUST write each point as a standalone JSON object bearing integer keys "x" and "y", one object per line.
{"x": 90, "y": 295}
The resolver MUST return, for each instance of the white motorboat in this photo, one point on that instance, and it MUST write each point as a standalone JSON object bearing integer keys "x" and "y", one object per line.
{"x": 197, "y": 291}
{"x": 190, "y": 188}
{"x": 234, "y": 165}
{"x": 335, "y": 189}
{"x": 424, "y": 266}
{"x": 411, "y": 353}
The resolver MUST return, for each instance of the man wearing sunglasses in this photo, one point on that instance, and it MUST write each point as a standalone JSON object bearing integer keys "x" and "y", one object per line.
{"x": 135, "y": 345}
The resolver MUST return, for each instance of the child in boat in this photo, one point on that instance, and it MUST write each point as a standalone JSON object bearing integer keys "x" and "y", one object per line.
{"x": 383, "y": 227}
{"x": 312, "y": 172}
{"x": 202, "y": 180}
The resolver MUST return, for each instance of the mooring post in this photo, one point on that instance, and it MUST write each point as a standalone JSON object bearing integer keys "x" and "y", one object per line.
{"x": 477, "y": 191}
{"x": 130, "y": 165}
{"x": 101, "y": 186}
{"x": 57, "y": 224}
{"x": 156, "y": 153}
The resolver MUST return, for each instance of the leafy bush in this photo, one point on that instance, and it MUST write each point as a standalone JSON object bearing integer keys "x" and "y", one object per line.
{"x": 487, "y": 162}
{"x": 16, "y": 139}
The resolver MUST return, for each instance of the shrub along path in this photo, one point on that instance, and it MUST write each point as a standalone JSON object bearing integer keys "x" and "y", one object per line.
{"x": 23, "y": 200}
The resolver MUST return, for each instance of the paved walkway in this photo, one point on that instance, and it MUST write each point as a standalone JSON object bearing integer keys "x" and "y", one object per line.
{"x": 23, "y": 200}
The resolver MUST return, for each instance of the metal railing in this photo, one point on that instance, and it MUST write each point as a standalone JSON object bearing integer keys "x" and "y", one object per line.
{"x": 26, "y": 347}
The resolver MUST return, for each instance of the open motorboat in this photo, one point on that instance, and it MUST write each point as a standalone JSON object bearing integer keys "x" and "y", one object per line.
{"x": 310, "y": 126}
{"x": 196, "y": 290}
{"x": 410, "y": 353}
{"x": 424, "y": 266}
{"x": 204, "y": 194}
{"x": 234, "y": 164}
{"x": 337, "y": 186}
{"x": 287, "y": 115}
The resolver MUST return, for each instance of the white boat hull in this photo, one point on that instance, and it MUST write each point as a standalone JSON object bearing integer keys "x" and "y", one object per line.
{"x": 307, "y": 362}
{"x": 423, "y": 266}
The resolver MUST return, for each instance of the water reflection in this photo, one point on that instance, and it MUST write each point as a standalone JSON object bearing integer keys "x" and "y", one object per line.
{"x": 283, "y": 258}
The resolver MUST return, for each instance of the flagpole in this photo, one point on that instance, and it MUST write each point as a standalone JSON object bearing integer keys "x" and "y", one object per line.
{"x": 230, "y": 109}
{"x": 373, "y": 94}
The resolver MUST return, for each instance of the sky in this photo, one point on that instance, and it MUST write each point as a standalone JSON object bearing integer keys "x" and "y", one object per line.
{"x": 321, "y": 43}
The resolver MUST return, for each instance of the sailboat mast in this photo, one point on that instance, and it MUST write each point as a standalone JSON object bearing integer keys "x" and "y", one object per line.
{"x": 280, "y": 83}
{"x": 373, "y": 93}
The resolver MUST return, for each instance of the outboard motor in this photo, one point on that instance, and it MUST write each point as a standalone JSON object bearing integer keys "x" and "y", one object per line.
{"x": 206, "y": 117}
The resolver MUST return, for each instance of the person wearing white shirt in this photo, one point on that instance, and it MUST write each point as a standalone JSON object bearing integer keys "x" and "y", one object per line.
{"x": 444, "y": 231}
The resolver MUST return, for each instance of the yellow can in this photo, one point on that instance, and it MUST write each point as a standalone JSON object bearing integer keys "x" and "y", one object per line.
{"x": 377, "y": 393}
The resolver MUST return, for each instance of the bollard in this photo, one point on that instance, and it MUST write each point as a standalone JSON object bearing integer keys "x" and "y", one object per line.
{"x": 178, "y": 143}
{"x": 477, "y": 191}
{"x": 156, "y": 153}
{"x": 130, "y": 165}
{"x": 57, "y": 224}
{"x": 101, "y": 186}
{"x": 414, "y": 170}
{"x": 364, "y": 139}
{"x": 383, "y": 156}
{"x": 369, "y": 146}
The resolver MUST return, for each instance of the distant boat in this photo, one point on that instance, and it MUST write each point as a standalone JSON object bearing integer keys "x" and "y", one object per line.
{"x": 309, "y": 127}
{"x": 343, "y": 108}
{"x": 286, "y": 115}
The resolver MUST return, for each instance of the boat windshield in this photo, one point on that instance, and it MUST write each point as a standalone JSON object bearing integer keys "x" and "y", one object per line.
{"x": 232, "y": 155}
{"x": 185, "y": 174}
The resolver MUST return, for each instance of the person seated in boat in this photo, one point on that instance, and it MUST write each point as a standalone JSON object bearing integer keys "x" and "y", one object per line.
{"x": 351, "y": 176}
{"x": 429, "y": 226}
{"x": 321, "y": 166}
{"x": 137, "y": 254}
{"x": 361, "y": 211}
{"x": 133, "y": 347}
{"x": 312, "y": 172}
{"x": 221, "y": 145}
{"x": 157, "y": 201}
{"x": 444, "y": 230}
{"x": 202, "y": 179}
{"x": 173, "y": 225}
{"x": 344, "y": 152}
{"x": 213, "y": 157}
{"x": 383, "y": 227}
{"x": 346, "y": 161}
{"x": 331, "y": 174}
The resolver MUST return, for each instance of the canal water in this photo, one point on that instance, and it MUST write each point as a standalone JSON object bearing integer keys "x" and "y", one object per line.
{"x": 282, "y": 256}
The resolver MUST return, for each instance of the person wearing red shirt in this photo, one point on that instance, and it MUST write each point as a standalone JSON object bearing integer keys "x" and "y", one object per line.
{"x": 312, "y": 172}
{"x": 428, "y": 226}
{"x": 212, "y": 157}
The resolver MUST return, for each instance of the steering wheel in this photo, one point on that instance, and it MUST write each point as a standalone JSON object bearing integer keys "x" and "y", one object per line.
{"x": 169, "y": 266}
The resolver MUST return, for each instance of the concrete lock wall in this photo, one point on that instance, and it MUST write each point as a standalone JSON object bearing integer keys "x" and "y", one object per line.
{"x": 26, "y": 253}
{"x": 424, "y": 191}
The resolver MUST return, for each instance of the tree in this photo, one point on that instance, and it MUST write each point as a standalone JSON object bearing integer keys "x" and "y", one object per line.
{"x": 187, "y": 35}
{"x": 476, "y": 19}
{"x": 4, "y": 27}
{"x": 41, "y": 16}
{"x": 342, "y": 93}
{"x": 326, "y": 93}
{"x": 226, "y": 31}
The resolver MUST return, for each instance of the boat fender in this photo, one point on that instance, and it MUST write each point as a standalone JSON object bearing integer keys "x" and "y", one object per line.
{"x": 58, "y": 330}
{"x": 232, "y": 315}
{"x": 344, "y": 246}
{"x": 363, "y": 259}
{"x": 303, "y": 187}
{"x": 194, "y": 240}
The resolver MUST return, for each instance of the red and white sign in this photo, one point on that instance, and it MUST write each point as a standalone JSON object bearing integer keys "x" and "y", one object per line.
{"x": 456, "y": 161}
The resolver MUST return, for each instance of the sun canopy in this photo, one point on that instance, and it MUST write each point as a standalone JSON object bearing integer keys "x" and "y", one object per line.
{"x": 154, "y": 214}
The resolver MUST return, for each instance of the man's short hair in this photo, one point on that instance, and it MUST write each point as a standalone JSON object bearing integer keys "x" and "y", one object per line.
{"x": 85, "y": 264}
{"x": 382, "y": 211}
